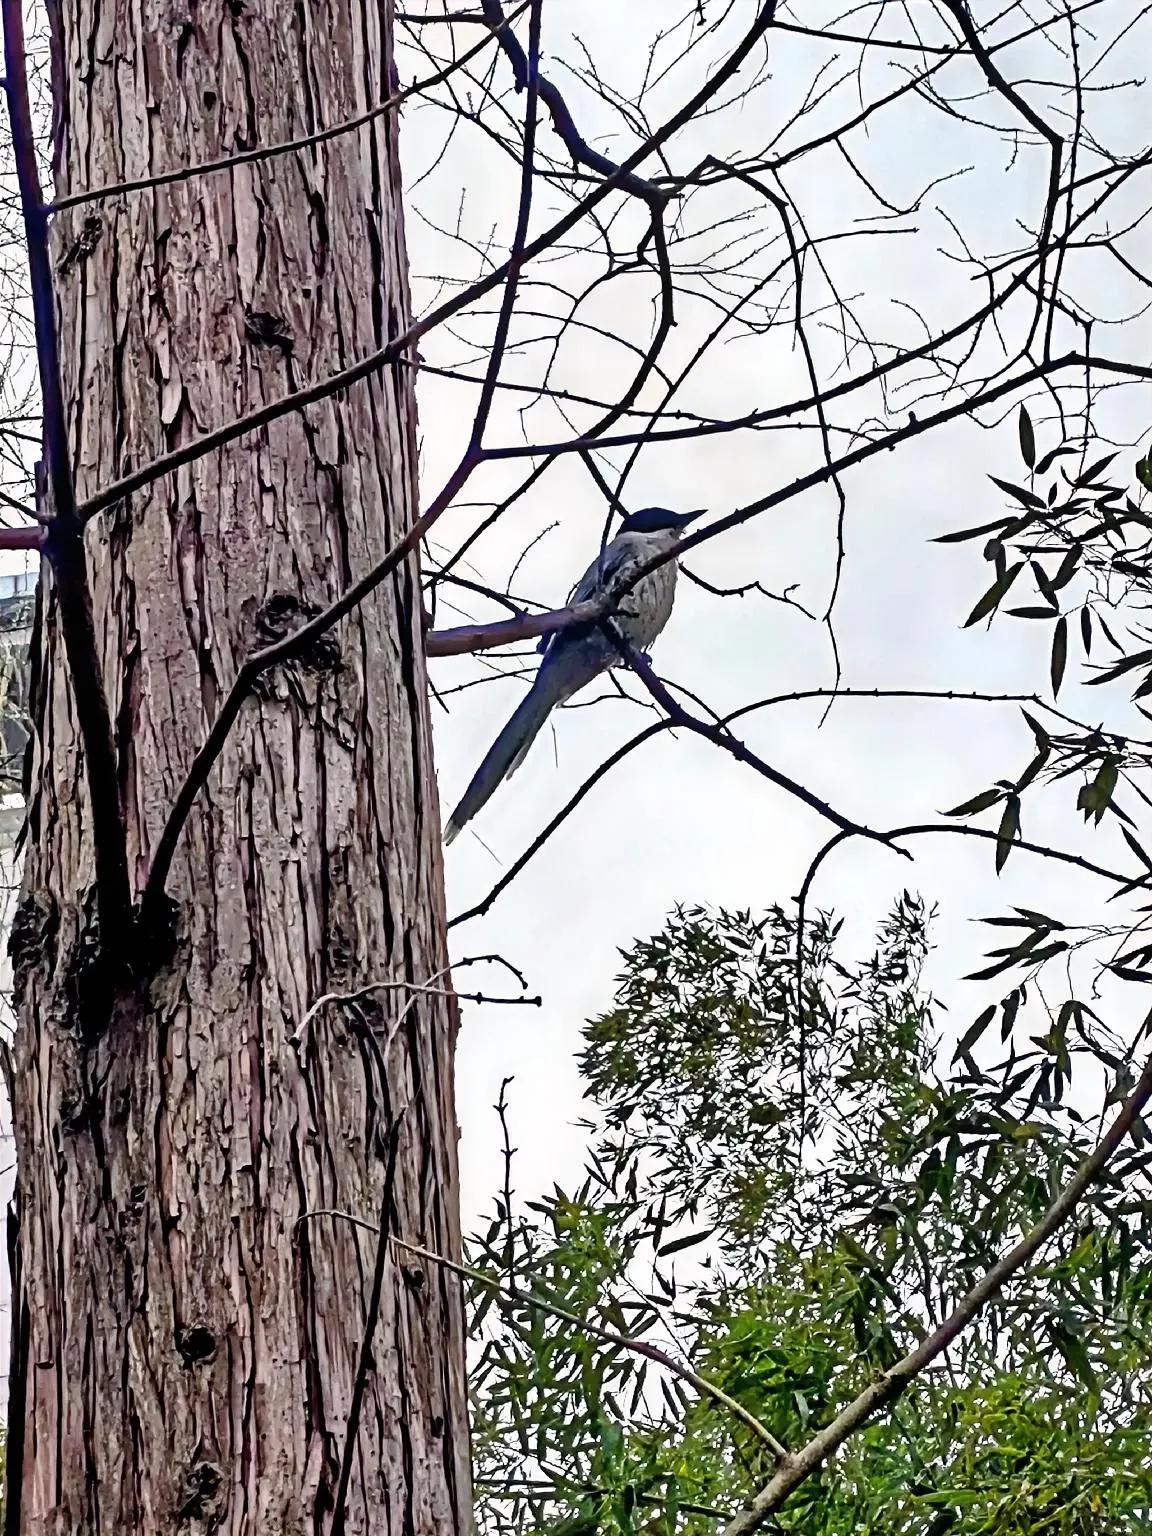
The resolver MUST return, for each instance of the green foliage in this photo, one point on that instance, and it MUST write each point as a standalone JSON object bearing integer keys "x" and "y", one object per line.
{"x": 784, "y": 1192}
{"x": 1085, "y": 542}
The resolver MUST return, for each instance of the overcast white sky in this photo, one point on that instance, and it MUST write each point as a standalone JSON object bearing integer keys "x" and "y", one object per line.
{"x": 678, "y": 821}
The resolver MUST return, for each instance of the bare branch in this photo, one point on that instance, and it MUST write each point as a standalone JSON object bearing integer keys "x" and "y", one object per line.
{"x": 289, "y": 146}
{"x": 506, "y": 879}
{"x": 467, "y": 638}
{"x": 578, "y": 147}
{"x": 721, "y": 737}
{"x": 667, "y": 723}
{"x": 296, "y": 400}
{"x": 64, "y": 542}
{"x": 1043, "y": 850}
{"x": 22, "y": 538}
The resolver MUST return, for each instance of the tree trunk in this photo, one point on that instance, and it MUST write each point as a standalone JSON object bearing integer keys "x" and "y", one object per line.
{"x": 185, "y": 1347}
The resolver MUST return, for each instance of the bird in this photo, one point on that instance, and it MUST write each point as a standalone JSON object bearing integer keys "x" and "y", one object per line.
{"x": 573, "y": 657}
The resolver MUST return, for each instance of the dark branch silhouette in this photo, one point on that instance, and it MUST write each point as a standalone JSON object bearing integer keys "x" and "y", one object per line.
{"x": 63, "y": 542}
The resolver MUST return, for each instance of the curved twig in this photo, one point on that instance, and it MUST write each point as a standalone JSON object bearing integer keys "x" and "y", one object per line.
{"x": 513, "y": 1296}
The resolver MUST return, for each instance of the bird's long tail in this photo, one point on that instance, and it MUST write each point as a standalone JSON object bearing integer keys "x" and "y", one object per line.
{"x": 507, "y": 752}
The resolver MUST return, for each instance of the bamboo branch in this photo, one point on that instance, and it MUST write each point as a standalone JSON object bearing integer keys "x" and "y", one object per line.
{"x": 892, "y": 1385}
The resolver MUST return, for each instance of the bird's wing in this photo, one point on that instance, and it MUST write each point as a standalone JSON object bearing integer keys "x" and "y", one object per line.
{"x": 599, "y": 574}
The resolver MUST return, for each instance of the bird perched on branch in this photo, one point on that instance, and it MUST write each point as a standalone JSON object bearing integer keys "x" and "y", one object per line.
{"x": 574, "y": 656}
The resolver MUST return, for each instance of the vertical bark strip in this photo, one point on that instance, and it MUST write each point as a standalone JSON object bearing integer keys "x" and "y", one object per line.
{"x": 186, "y": 1352}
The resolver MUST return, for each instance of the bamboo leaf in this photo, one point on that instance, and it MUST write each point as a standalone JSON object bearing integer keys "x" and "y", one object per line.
{"x": 994, "y": 595}
{"x": 1027, "y": 439}
{"x": 1059, "y": 653}
{"x": 1095, "y": 798}
{"x": 1025, "y": 497}
{"x": 1007, "y": 831}
{"x": 1052, "y": 455}
{"x": 685, "y": 1242}
{"x": 973, "y": 533}
{"x": 1043, "y": 739}
{"x": 1067, "y": 569}
{"x": 979, "y": 802}
{"x": 1045, "y": 586}
{"x": 1093, "y": 470}
{"x": 970, "y": 1036}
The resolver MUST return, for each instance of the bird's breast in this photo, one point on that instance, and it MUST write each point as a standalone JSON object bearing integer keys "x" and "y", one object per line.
{"x": 646, "y": 609}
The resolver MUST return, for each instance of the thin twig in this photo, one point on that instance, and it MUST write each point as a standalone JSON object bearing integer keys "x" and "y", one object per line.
{"x": 959, "y": 12}
{"x": 513, "y": 1296}
{"x": 421, "y": 987}
{"x": 375, "y": 362}
{"x": 721, "y": 737}
{"x": 743, "y": 590}
{"x": 506, "y": 879}
{"x": 781, "y": 207}
{"x": 364, "y": 1362}
{"x": 509, "y": 1489}
{"x": 269, "y": 151}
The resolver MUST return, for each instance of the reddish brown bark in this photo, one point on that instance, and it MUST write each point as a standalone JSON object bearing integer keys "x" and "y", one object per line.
{"x": 185, "y": 1348}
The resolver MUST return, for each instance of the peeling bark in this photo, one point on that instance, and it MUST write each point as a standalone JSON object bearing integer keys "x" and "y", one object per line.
{"x": 184, "y": 1348}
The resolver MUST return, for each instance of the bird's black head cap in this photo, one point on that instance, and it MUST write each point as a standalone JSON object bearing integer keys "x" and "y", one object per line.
{"x": 656, "y": 520}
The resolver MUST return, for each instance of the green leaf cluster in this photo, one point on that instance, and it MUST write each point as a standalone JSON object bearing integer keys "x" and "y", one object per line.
{"x": 786, "y": 1192}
